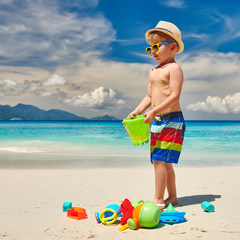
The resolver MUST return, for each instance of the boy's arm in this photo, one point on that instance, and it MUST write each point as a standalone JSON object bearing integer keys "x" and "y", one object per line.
{"x": 144, "y": 104}
{"x": 175, "y": 81}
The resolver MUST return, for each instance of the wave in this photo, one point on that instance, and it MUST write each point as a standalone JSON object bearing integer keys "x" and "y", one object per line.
{"x": 19, "y": 150}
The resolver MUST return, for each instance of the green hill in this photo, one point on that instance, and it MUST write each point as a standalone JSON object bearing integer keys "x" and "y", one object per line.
{"x": 105, "y": 118}
{"x": 31, "y": 113}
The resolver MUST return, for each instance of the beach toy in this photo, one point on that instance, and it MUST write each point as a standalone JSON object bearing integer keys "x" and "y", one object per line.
{"x": 123, "y": 227}
{"x": 171, "y": 216}
{"x": 77, "y": 213}
{"x": 137, "y": 129}
{"x": 207, "y": 206}
{"x": 149, "y": 215}
{"x": 170, "y": 209}
{"x": 137, "y": 204}
{"x": 109, "y": 215}
{"x": 66, "y": 206}
{"x": 146, "y": 215}
{"x": 127, "y": 211}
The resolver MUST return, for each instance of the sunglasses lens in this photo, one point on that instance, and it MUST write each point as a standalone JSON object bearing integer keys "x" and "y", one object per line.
{"x": 149, "y": 52}
{"x": 155, "y": 48}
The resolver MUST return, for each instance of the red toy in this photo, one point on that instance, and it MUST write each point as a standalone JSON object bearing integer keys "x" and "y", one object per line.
{"x": 77, "y": 213}
{"x": 127, "y": 211}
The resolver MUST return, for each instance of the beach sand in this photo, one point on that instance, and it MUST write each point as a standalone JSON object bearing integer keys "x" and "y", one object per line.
{"x": 31, "y": 202}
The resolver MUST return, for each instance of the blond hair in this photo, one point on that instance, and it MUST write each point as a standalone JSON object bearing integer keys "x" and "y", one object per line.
{"x": 157, "y": 34}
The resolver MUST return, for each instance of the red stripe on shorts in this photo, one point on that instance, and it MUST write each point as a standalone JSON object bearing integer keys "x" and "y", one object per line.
{"x": 174, "y": 136}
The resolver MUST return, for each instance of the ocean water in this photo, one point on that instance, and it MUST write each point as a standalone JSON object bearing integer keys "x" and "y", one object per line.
{"x": 107, "y": 144}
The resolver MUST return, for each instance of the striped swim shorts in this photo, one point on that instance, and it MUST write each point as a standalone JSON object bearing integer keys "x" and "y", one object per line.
{"x": 167, "y": 134}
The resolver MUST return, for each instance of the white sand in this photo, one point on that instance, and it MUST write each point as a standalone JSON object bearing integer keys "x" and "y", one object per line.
{"x": 31, "y": 203}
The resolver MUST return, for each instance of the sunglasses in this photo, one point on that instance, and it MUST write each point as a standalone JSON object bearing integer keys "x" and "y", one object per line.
{"x": 155, "y": 47}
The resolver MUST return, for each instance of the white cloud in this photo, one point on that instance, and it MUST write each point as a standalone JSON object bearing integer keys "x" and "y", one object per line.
{"x": 230, "y": 28}
{"x": 30, "y": 89}
{"x": 14, "y": 28}
{"x": 79, "y": 4}
{"x": 55, "y": 80}
{"x": 46, "y": 94}
{"x": 9, "y": 87}
{"x": 210, "y": 65}
{"x": 174, "y": 3}
{"x": 97, "y": 98}
{"x": 228, "y": 104}
{"x": 7, "y": 83}
{"x": 39, "y": 32}
{"x": 209, "y": 74}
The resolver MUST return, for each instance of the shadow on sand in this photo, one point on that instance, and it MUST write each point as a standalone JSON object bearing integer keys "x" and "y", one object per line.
{"x": 196, "y": 199}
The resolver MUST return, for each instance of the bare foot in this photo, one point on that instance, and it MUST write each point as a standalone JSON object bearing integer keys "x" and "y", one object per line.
{"x": 172, "y": 200}
{"x": 159, "y": 203}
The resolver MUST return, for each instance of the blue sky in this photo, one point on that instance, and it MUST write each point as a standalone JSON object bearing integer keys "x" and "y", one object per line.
{"x": 88, "y": 56}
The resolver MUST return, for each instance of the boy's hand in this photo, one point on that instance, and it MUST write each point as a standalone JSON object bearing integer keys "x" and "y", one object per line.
{"x": 150, "y": 116}
{"x": 132, "y": 115}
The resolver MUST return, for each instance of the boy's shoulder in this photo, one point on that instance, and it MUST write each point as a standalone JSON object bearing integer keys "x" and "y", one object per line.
{"x": 174, "y": 67}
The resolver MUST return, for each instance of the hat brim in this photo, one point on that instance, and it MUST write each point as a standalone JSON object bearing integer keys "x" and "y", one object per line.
{"x": 178, "y": 40}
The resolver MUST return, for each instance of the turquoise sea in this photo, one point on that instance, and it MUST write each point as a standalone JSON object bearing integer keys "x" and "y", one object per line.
{"x": 107, "y": 144}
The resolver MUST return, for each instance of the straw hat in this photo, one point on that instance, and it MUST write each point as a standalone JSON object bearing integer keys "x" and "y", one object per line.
{"x": 169, "y": 29}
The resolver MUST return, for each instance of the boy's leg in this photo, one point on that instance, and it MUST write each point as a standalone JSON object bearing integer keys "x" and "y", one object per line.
{"x": 160, "y": 181}
{"x": 171, "y": 185}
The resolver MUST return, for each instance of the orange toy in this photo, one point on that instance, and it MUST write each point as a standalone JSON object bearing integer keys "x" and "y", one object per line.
{"x": 133, "y": 222}
{"x": 77, "y": 213}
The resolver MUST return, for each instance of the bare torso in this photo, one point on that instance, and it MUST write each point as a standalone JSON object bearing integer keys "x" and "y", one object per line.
{"x": 159, "y": 78}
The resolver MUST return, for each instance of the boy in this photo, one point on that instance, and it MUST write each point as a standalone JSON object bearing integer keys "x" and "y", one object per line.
{"x": 168, "y": 126}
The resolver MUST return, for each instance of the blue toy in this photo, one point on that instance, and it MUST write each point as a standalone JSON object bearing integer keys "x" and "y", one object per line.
{"x": 66, "y": 206}
{"x": 109, "y": 215}
{"x": 207, "y": 206}
{"x": 171, "y": 216}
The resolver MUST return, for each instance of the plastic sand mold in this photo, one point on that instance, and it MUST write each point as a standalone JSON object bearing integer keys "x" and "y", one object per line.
{"x": 171, "y": 216}
{"x": 207, "y": 206}
{"x": 77, "y": 213}
{"x": 66, "y": 206}
{"x": 137, "y": 129}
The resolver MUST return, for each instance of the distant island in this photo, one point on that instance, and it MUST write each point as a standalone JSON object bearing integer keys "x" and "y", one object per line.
{"x": 31, "y": 113}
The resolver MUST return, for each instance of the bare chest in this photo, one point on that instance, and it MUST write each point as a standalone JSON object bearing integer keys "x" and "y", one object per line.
{"x": 159, "y": 77}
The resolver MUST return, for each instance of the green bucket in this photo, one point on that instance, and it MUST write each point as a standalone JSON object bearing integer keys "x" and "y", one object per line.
{"x": 149, "y": 215}
{"x": 137, "y": 129}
